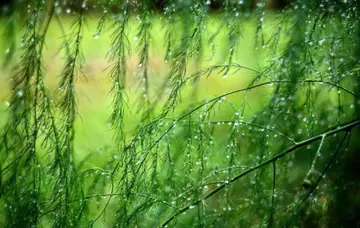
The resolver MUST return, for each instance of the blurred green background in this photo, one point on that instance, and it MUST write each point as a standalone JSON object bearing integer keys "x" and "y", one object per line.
{"x": 94, "y": 101}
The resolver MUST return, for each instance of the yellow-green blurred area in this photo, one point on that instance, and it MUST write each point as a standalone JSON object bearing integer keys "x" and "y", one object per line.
{"x": 92, "y": 88}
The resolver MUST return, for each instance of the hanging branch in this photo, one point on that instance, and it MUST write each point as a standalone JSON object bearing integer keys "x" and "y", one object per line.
{"x": 67, "y": 185}
{"x": 190, "y": 46}
{"x": 144, "y": 38}
{"x": 117, "y": 53}
{"x": 21, "y": 176}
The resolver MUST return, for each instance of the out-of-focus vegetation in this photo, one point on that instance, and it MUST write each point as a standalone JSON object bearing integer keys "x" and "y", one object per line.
{"x": 92, "y": 92}
{"x": 179, "y": 114}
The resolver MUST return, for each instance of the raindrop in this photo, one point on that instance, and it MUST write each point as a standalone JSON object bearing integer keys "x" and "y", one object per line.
{"x": 140, "y": 65}
{"x": 96, "y": 36}
{"x": 58, "y": 10}
{"x": 136, "y": 38}
{"x": 322, "y": 41}
{"x": 68, "y": 11}
{"x": 20, "y": 93}
{"x": 192, "y": 206}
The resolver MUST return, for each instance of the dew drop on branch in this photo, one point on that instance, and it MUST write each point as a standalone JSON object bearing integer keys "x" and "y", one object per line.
{"x": 322, "y": 41}
{"x": 20, "y": 93}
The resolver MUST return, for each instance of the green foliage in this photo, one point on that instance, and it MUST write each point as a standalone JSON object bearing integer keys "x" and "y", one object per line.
{"x": 279, "y": 152}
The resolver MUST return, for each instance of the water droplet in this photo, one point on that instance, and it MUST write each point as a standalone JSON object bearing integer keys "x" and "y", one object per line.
{"x": 140, "y": 65}
{"x": 68, "y": 11}
{"x": 20, "y": 93}
{"x": 136, "y": 38}
{"x": 192, "y": 206}
{"x": 96, "y": 36}
{"x": 322, "y": 41}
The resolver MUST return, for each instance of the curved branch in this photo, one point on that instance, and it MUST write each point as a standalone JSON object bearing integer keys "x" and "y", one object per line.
{"x": 258, "y": 126}
{"x": 346, "y": 127}
{"x": 224, "y": 95}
